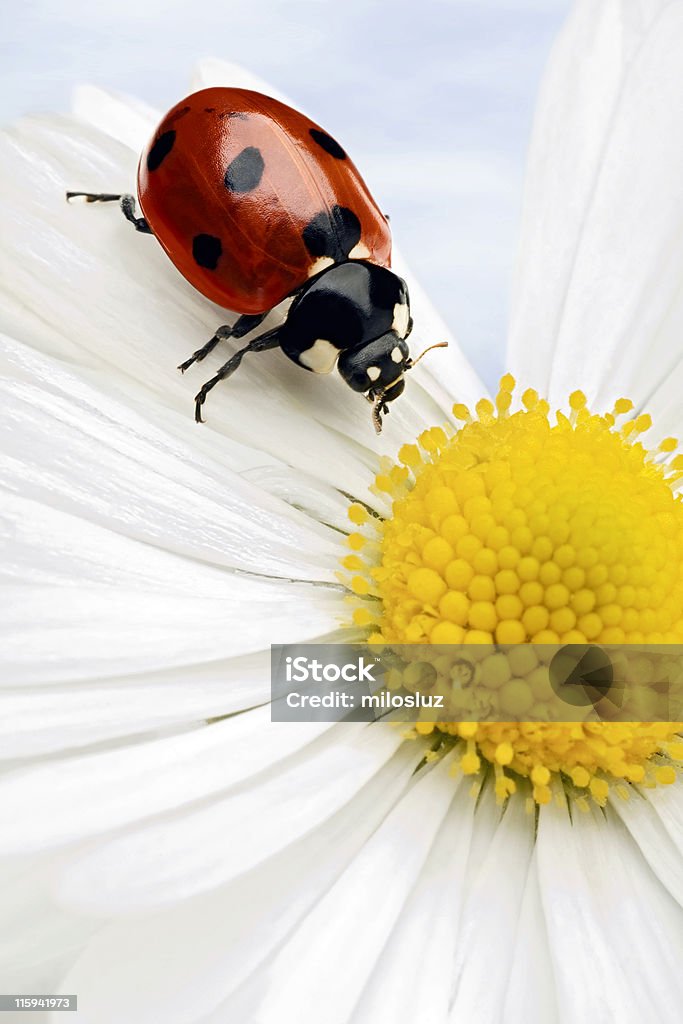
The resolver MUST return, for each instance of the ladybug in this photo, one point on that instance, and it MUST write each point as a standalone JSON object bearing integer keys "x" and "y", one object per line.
{"x": 256, "y": 205}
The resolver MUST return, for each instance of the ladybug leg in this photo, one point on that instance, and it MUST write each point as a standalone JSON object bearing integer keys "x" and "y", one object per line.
{"x": 268, "y": 340}
{"x": 222, "y": 334}
{"x": 242, "y": 326}
{"x": 128, "y": 211}
{"x": 127, "y": 206}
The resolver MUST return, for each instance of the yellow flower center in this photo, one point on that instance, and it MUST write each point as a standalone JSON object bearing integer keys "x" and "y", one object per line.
{"x": 512, "y": 529}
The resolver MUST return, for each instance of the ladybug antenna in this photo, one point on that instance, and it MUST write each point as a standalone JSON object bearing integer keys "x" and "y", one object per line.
{"x": 413, "y": 362}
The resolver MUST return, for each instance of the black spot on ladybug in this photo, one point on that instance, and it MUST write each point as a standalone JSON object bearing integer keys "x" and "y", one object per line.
{"x": 207, "y": 250}
{"x": 160, "y": 150}
{"x": 332, "y": 233}
{"x": 327, "y": 143}
{"x": 245, "y": 172}
{"x": 209, "y": 110}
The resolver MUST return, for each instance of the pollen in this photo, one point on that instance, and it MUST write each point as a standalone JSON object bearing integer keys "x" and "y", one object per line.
{"x": 525, "y": 527}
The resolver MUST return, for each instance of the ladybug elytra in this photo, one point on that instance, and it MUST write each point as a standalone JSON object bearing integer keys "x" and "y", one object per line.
{"x": 255, "y": 204}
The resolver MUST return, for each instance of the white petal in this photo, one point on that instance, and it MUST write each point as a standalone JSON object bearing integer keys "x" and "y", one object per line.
{"x": 204, "y": 948}
{"x": 38, "y": 941}
{"x": 664, "y": 398}
{"x": 490, "y": 918}
{"x": 125, "y": 118}
{"x": 600, "y": 259}
{"x": 36, "y": 721}
{"x": 52, "y": 636}
{"x": 531, "y": 995}
{"x": 323, "y": 503}
{"x": 197, "y": 850}
{"x": 487, "y": 820}
{"x": 413, "y": 977}
{"x": 668, "y": 803}
{"x": 54, "y": 548}
{"x": 446, "y": 375}
{"x": 615, "y": 934}
{"x": 353, "y": 922}
{"x": 123, "y": 471}
{"x": 662, "y": 850}
{"x": 65, "y": 801}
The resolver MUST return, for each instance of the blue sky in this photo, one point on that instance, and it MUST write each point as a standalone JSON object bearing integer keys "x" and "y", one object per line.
{"x": 433, "y": 98}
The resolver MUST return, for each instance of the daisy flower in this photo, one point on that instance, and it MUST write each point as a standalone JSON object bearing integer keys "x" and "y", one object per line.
{"x": 171, "y": 855}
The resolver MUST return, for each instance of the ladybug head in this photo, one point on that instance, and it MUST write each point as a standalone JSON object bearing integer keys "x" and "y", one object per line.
{"x": 377, "y": 369}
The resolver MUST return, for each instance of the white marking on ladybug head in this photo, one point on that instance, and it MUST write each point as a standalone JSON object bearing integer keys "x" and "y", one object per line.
{"x": 401, "y": 319}
{"x": 321, "y": 357}
{"x": 374, "y": 372}
{"x": 322, "y": 263}
{"x": 359, "y": 252}
{"x": 397, "y": 355}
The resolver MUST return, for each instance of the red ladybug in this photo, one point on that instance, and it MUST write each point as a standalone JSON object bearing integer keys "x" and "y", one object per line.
{"x": 254, "y": 204}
